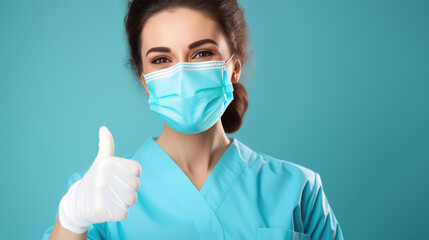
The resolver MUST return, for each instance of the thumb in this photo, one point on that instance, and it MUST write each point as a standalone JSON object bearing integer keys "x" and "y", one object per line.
{"x": 106, "y": 146}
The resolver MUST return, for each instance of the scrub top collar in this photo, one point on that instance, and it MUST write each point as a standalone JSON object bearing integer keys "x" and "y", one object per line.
{"x": 222, "y": 177}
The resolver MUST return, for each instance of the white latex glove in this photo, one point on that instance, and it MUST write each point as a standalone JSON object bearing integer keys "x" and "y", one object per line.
{"x": 104, "y": 193}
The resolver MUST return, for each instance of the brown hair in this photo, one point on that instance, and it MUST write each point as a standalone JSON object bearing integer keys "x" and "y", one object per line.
{"x": 228, "y": 14}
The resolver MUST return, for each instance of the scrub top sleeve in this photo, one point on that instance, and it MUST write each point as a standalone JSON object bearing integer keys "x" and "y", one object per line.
{"x": 95, "y": 231}
{"x": 319, "y": 219}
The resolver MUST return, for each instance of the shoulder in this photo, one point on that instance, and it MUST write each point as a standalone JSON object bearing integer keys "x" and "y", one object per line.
{"x": 265, "y": 162}
{"x": 277, "y": 169}
{"x": 288, "y": 166}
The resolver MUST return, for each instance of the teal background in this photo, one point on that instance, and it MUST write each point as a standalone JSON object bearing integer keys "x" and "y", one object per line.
{"x": 341, "y": 87}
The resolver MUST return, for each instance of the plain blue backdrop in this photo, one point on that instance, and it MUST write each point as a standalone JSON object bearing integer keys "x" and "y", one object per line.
{"x": 341, "y": 87}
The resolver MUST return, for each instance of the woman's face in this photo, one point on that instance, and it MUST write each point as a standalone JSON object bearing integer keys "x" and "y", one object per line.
{"x": 184, "y": 35}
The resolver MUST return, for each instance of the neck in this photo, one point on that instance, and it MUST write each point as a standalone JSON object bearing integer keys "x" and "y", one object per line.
{"x": 195, "y": 154}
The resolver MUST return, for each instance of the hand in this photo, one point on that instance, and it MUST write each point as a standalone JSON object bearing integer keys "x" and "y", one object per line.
{"x": 104, "y": 193}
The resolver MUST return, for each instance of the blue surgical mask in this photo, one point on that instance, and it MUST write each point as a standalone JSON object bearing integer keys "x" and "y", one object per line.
{"x": 190, "y": 97}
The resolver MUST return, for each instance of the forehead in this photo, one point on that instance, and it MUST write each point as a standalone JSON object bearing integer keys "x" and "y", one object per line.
{"x": 178, "y": 28}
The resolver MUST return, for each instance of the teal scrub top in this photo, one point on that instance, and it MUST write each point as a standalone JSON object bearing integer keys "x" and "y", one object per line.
{"x": 248, "y": 195}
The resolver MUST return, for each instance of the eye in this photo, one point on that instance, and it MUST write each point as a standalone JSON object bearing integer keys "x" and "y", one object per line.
{"x": 204, "y": 53}
{"x": 160, "y": 60}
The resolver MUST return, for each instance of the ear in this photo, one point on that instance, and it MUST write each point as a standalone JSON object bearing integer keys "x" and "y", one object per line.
{"x": 144, "y": 84}
{"x": 237, "y": 71}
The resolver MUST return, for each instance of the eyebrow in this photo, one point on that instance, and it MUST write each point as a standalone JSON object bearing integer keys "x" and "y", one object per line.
{"x": 191, "y": 46}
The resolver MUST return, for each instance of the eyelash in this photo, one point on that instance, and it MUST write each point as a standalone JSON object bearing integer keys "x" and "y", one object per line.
{"x": 202, "y": 51}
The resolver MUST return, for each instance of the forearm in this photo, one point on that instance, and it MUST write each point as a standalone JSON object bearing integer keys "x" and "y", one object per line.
{"x": 61, "y": 233}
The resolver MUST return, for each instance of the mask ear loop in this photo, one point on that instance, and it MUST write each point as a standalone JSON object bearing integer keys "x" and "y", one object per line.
{"x": 224, "y": 65}
{"x": 229, "y": 59}
{"x": 224, "y": 72}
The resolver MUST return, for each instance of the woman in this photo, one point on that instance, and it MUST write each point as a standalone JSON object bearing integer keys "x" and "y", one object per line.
{"x": 192, "y": 182}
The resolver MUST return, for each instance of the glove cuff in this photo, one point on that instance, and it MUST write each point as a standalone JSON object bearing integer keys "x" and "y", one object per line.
{"x": 68, "y": 212}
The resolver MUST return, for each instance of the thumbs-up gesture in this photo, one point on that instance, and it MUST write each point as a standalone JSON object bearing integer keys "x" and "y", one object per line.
{"x": 104, "y": 193}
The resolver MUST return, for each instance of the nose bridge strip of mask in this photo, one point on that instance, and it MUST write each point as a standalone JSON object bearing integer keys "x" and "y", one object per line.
{"x": 157, "y": 75}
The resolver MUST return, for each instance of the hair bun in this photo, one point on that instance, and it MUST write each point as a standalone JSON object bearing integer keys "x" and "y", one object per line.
{"x": 232, "y": 118}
